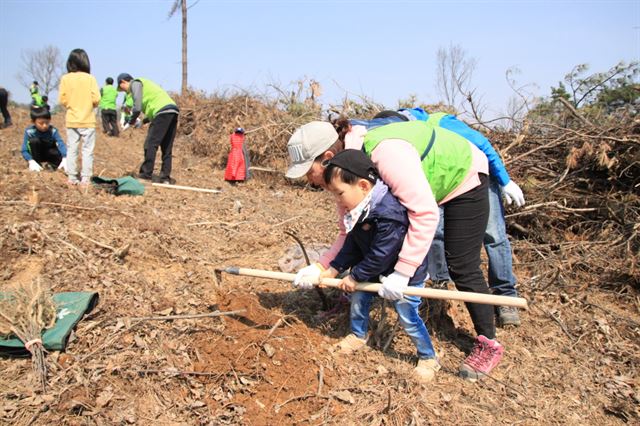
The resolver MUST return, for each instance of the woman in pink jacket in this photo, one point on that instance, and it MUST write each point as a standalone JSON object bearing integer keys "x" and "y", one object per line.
{"x": 423, "y": 166}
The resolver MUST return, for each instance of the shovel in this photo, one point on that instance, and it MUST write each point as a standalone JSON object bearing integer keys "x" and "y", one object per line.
{"x": 427, "y": 293}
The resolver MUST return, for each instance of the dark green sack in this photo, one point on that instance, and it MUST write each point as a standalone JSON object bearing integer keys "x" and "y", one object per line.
{"x": 70, "y": 308}
{"x": 126, "y": 185}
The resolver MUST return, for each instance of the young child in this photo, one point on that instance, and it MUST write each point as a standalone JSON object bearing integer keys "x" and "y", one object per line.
{"x": 79, "y": 94}
{"x": 376, "y": 225}
{"x": 42, "y": 142}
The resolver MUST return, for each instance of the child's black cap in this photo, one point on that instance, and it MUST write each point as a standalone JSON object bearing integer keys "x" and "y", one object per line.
{"x": 357, "y": 162}
{"x": 40, "y": 112}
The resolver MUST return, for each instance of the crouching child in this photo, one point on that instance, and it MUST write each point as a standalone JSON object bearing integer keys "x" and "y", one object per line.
{"x": 376, "y": 225}
{"x": 42, "y": 144}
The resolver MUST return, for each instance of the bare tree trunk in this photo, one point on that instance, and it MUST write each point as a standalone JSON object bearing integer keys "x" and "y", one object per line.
{"x": 184, "y": 47}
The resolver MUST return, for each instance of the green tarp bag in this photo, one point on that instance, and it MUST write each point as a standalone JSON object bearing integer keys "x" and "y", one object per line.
{"x": 126, "y": 185}
{"x": 70, "y": 307}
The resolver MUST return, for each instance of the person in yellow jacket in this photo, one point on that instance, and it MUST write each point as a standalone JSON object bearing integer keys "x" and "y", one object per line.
{"x": 158, "y": 108}
{"x": 79, "y": 94}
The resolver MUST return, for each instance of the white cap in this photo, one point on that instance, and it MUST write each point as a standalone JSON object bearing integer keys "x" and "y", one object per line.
{"x": 308, "y": 142}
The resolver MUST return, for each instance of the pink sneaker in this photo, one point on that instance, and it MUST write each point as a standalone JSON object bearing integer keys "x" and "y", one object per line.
{"x": 486, "y": 354}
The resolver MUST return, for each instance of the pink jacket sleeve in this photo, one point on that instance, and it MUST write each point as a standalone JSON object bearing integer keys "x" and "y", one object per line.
{"x": 400, "y": 168}
{"x": 329, "y": 255}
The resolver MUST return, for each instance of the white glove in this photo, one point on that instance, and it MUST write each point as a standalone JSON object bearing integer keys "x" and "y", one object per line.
{"x": 138, "y": 124}
{"x": 512, "y": 192}
{"x": 393, "y": 286}
{"x": 125, "y": 127}
{"x": 63, "y": 164}
{"x": 34, "y": 166}
{"x": 307, "y": 276}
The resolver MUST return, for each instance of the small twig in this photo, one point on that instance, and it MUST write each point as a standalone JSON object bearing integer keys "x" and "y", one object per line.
{"x": 98, "y": 243}
{"x": 557, "y": 141}
{"x": 230, "y": 224}
{"x": 263, "y": 169}
{"x": 573, "y": 111}
{"x": 178, "y": 373}
{"x": 273, "y": 329}
{"x": 285, "y": 221}
{"x": 320, "y": 380}
{"x": 187, "y": 316}
{"x": 277, "y": 407}
{"x": 76, "y": 249}
{"x": 557, "y": 320}
{"x": 391, "y": 336}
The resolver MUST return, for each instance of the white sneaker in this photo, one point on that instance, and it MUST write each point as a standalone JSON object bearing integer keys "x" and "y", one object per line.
{"x": 426, "y": 370}
{"x": 350, "y": 344}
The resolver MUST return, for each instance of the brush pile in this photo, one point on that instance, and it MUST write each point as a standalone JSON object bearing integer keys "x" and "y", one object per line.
{"x": 582, "y": 179}
{"x": 207, "y": 121}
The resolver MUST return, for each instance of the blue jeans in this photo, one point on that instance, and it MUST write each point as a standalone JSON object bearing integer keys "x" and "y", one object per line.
{"x": 496, "y": 243}
{"x": 407, "y": 309}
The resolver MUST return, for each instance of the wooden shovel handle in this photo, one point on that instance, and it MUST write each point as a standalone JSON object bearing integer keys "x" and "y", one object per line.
{"x": 428, "y": 293}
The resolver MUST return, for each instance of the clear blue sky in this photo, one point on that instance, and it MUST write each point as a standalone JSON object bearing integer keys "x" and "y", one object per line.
{"x": 384, "y": 50}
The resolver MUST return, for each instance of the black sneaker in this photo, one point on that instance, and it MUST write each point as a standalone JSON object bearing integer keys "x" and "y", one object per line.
{"x": 508, "y": 315}
{"x": 165, "y": 180}
{"x": 141, "y": 176}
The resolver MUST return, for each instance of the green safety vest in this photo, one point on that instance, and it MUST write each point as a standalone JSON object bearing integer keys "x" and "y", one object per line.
{"x": 154, "y": 98}
{"x": 434, "y": 119}
{"x": 108, "y": 96}
{"x": 37, "y": 99}
{"x": 446, "y": 156}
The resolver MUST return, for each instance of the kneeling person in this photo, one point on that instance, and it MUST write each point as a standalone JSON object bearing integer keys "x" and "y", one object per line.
{"x": 376, "y": 225}
{"x": 42, "y": 142}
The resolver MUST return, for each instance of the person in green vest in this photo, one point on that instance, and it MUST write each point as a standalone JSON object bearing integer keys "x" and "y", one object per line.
{"x": 502, "y": 280}
{"x": 424, "y": 166}
{"x": 125, "y": 110}
{"x": 108, "y": 95}
{"x": 159, "y": 109}
{"x": 34, "y": 90}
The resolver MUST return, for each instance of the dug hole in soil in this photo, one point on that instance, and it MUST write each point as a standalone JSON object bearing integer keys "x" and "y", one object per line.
{"x": 574, "y": 360}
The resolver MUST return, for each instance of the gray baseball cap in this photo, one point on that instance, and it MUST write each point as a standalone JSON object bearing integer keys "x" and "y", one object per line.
{"x": 306, "y": 143}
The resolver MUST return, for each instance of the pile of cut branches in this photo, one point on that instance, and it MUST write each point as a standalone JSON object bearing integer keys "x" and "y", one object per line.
{"x": 582, "y": 183}
{"x": 207, "y": 121}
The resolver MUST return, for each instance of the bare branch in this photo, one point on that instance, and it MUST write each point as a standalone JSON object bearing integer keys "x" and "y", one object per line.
{"x": 44, "y": 66}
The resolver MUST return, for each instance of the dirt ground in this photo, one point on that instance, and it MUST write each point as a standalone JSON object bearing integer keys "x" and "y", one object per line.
{"x": 574, "y": 360}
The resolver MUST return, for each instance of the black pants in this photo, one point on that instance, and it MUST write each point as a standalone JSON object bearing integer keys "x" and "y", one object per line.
{"x": 44, "y": 152}
{"x": 161, "y": 133}
{"x": 110, "y": 122}
{"x": 4, "y": 99}
{"x": 465, "y": 222}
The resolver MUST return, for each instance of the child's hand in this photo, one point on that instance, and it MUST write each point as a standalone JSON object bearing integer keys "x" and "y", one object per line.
{"x": 348, "y": 284}
{"x": 329, "y": 273}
